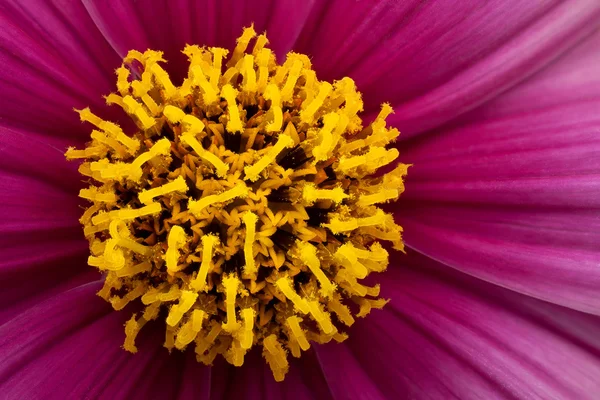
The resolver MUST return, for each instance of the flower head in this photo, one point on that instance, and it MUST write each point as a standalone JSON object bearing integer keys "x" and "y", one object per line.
{"x": 246, "y": 205}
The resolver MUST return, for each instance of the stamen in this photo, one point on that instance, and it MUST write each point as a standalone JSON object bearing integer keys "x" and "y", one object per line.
{"x": 253, "y": 172}
{"x": 177, "y": 239}
{"x": 285, "y": 285}
{"x": 178, "y": 185}
{"x": 186, "y": 301}
{"x": 231, "y": 284}
{"x": 250, "y": 220}
{"x": 196, "y": 207}
{"x": 308, "y": 254}
{"x": 208, "y": 244}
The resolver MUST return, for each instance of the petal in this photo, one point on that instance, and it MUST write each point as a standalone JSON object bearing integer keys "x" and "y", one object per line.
{"x": 435, "y": 60}
{"x": 170, "y": 25}
{"x": 54, "y": 59}
{"x": 510, "y": 193}
{"x": 43, "y": 250}
{"x": 447, "y": 335}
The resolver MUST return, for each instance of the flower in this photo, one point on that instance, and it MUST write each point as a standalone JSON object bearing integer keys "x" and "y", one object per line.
{"x": 498, "y": 106}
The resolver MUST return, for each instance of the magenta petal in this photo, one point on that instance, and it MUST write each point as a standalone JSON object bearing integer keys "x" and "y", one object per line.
{"x": 170, "y": 25}
{"x": 43, "y": 251}
{"x": 53, "y": 59}
{"x": 441, "y": 59}
{"x": 451, "y": 336}
{"x": 510, "y": 193}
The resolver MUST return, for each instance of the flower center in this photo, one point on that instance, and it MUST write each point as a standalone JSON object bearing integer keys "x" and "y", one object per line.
{"x": 243, "y": 212}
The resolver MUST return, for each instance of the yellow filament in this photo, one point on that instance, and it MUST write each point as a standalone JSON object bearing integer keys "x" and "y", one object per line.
{"x": 93, "y": 194}
{"x": 235, "y": 123}
{"x": 262, "y": 60}
{"x": 376, "y": 157}
{"x": 176, "y": 240}
{"x": 126, "y": 214}
{"x": 144, "y": 266}
{"x": 242, "y": 44}
{"x": 338, "y": 226}
{"x": 132, "y": 328}
{"x": 322, "y": 318}
{"x": 111, "y": 129}
{"x": 196, "y": 207}
{"x": 246, "y": 334}
{"x": 178, "y": 185}
{"x": 285, "y": 285}
{"x": 310, "y": 194}
{"x": 307, "y": 114}
{"x": 249, "y": 82}
{"x": 186, "y": 301}
{"x": 293, "y": 323}
{"x": 215, "y": 73}
{"x": 349, "y": 256}
{"x": 250, "y": 220}
{"x": 308, "y": 254}
{"x": 190, "y": 329}
{"x": 221, "y": 167}
{"x": 322, "y": 151}
{"x": 380, "y": 197}
{"x": 208, "y": 244}
{"x": 342, "y": 311}
{"x": 288, "y": 89}
{"x": 253, "y": 172}
{"x": 231, "y": 284}
{"x": 272, "y": 93}
{"x": 209, "y": 94}
{"x": 133, "y": 107}
{"x": 162, "y": 77}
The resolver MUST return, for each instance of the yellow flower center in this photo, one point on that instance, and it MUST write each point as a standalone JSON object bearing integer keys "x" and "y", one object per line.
{"x": 243, "y": 211}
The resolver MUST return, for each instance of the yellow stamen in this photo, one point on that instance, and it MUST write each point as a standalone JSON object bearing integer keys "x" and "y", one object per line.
{"x": 250, "y": 220}
{"x": 285, "y": 285}
{"x": 246, "y": 334}
{"x": 253, "y": 172}
{"x": 186, "y": 301}
{"x": 293, "y": 323}
{"x": 338, "y": 226}
{"x": 176, "y": 240}
{"x": 308, "y": 114}
{"x": 178, "y": 185}
{"x": 272, "y": 93}
{"x": 235, "y": 123}
{"x": 208, "y": 244}
{"x": 196, "y": 207}
{"x": 308, "y": 254}
{"x": 310, "y": 194}
{"x": 231, "y": 284}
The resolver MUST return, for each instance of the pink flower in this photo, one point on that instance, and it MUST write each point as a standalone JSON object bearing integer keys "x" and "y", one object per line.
{"x": 498, "y": 103}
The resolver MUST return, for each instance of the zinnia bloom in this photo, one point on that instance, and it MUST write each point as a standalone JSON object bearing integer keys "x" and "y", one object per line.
{"x": 498, "y": 105}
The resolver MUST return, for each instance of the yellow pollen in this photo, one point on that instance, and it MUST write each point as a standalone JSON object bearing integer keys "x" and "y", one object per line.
{"x": 245, "y": 208}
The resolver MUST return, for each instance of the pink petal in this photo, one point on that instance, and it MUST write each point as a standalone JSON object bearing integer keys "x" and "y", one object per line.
{"x": 170, "y": 25}
{"x": 53, "y": 59}
{"x": 43, "y": 250}
{"x": 511, "y": 192}
{"x": 451, "y": 336}
{"x": 436, "y": 60}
